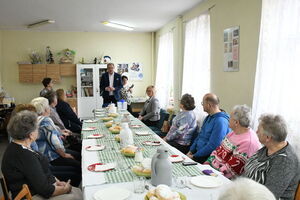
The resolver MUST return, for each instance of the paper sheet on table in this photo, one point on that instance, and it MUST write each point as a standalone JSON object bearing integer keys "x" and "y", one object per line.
{"x": 105, "y": 167}
{"x": 93, "y": 178}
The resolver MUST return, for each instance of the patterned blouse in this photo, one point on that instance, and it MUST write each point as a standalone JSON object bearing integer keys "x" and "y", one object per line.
{"x": 279, "y": 172}
{"x": 49, "y": 138}
{"x": 183, "y": 127}
{"x": 125, "y": 94}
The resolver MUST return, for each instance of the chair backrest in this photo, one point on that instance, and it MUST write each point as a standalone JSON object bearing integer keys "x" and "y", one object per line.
{"x": 4, "y": 189}
{"x": 297, "y": 195}
{"x": 163, "y": 116}
{"x": 25, "y": 192}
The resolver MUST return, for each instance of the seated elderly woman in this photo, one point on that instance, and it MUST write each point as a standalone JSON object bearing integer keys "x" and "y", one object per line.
{"x": 238, "y": 146}
{"x": 275, "y": 165}
{"x": 63, "y": 173}
{"x": 246, "y": 189}
{"x": 22, "y": 165}
{"x": 150, "y": 113}
{"x": 66, "y": 113}
{"x": 183, "y": 125}
{"x": 72, "y": 140}
{"x": 49, "y": 141}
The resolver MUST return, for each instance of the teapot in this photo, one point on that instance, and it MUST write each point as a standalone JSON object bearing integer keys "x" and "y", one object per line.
{"x": 161, "y": 168}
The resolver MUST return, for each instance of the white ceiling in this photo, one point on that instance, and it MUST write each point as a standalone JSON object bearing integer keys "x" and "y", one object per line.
{"x": 87, "y": 15}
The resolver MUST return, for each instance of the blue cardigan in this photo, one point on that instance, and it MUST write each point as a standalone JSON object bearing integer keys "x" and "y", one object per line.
{"x": 215, "y": 127}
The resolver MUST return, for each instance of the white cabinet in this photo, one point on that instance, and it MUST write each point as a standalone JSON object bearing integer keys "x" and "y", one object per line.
{"x": 88, "y": 88}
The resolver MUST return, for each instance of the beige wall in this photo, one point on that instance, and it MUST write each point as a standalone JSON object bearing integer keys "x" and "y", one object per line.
{"x": 122, "y": 47}
{"x": 232, "y": 87}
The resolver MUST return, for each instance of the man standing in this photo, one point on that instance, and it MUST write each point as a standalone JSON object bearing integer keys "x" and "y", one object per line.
{"x": 214, "y": 129}
{"x": 110, "y": 85}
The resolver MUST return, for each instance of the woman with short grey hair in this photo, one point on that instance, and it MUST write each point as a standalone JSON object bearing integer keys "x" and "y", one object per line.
{"x": 275, "y": 165}
{"x": 239, "y": 145}
{"x": 49, "y": 141}
{"x": 22, "y": 165}
{"x": 242, "y": 113}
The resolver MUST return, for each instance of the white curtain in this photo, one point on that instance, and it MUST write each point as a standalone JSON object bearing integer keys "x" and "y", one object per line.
{"x": 196, "y": 65}
{"x": 164, "y": 70}
{"x": 277, "y": 87}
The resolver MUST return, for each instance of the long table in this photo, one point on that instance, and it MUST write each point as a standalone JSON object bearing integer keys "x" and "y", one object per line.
{"x": 94, "y": 181}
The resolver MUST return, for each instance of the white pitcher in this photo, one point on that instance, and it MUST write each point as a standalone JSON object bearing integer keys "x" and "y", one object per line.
{"x": 126, "y": 136}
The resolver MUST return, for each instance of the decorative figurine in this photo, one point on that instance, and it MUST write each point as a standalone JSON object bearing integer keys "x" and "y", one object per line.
{"x": 107, "y": 59}
{"x": 67, "y": 56}
{"x": 49, "y": 56}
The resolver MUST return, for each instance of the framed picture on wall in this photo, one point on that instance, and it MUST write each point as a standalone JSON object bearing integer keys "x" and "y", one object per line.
{"x": 231, "y": 49}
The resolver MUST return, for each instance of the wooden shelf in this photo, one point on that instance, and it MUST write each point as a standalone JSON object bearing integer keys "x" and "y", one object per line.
{"x": 67, "y": 69}
{"x": 53, "y": 71}
{"x": 25, "y": 73}
{"x": 38, "y": 73}
{"x": 35, "y": 73}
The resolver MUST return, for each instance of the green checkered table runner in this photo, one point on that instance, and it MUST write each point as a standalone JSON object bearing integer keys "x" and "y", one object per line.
{"x": 112, "y": 152}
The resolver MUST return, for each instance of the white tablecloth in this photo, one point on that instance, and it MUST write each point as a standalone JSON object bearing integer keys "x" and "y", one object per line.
{"x": 94, "y": 181}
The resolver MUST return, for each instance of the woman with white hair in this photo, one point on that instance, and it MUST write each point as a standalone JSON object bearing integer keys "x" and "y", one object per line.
{"x": 22, "y": 165}
{"x": 239, "y": 145}
{"x": 275, "y": 165}
{"x": 246, "y": 189}
{"x": 49, "y": 141}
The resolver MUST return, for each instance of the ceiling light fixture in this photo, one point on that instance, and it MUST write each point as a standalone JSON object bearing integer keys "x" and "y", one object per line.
{"x": 41, "y": 23}
{"x": 115, "y": 25}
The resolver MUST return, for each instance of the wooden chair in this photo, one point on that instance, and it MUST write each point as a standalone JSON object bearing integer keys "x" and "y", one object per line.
{"x": 25, "y": 192}
{"x": 4, "y": 189}
{"x": 297, "y": 195}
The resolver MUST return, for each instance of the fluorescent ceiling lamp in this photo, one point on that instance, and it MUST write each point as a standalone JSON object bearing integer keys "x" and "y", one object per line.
{"x": 41, "y": 23}
{"x": 120, "y": 26}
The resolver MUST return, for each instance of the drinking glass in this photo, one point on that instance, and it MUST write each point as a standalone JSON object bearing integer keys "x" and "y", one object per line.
{"x": 138, "y": 184}
{"x": 180, "y": 182}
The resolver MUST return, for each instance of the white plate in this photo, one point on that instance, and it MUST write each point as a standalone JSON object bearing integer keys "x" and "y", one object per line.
{"x": 112, "y": 193}
{"x": 136, "y": 126}
{"x": 91, "y": 121}
{"x": 89, "y": 129}
{"x": 95, "y": 136}
{"x": 206, "y": 181}
{"x": 142, "y": 133}
{"x": 97, "y": 147}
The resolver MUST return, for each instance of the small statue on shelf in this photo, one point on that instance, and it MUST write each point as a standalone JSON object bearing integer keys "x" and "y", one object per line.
{"x": 67, "y": 56}
{"x": 107, "y": 59}
{"x": 49, "y": 56}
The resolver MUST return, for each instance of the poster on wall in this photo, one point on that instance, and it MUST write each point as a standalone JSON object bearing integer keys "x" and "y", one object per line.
{"x": 133, "y": 71}
{"x": 122, "y": 68}
{"x": 231, "y": 49}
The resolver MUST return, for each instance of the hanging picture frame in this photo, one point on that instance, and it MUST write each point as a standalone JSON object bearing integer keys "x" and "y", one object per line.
{"x": 231, "y": 49}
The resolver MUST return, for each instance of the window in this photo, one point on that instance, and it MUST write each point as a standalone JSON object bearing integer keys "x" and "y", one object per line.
{"x": 277, "y": 75}
{"x": 196, "y": 66}
{"x": 164, "y": 70}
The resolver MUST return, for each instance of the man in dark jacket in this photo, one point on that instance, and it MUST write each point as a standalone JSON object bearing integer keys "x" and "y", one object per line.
{"x": 110, "y": 86}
